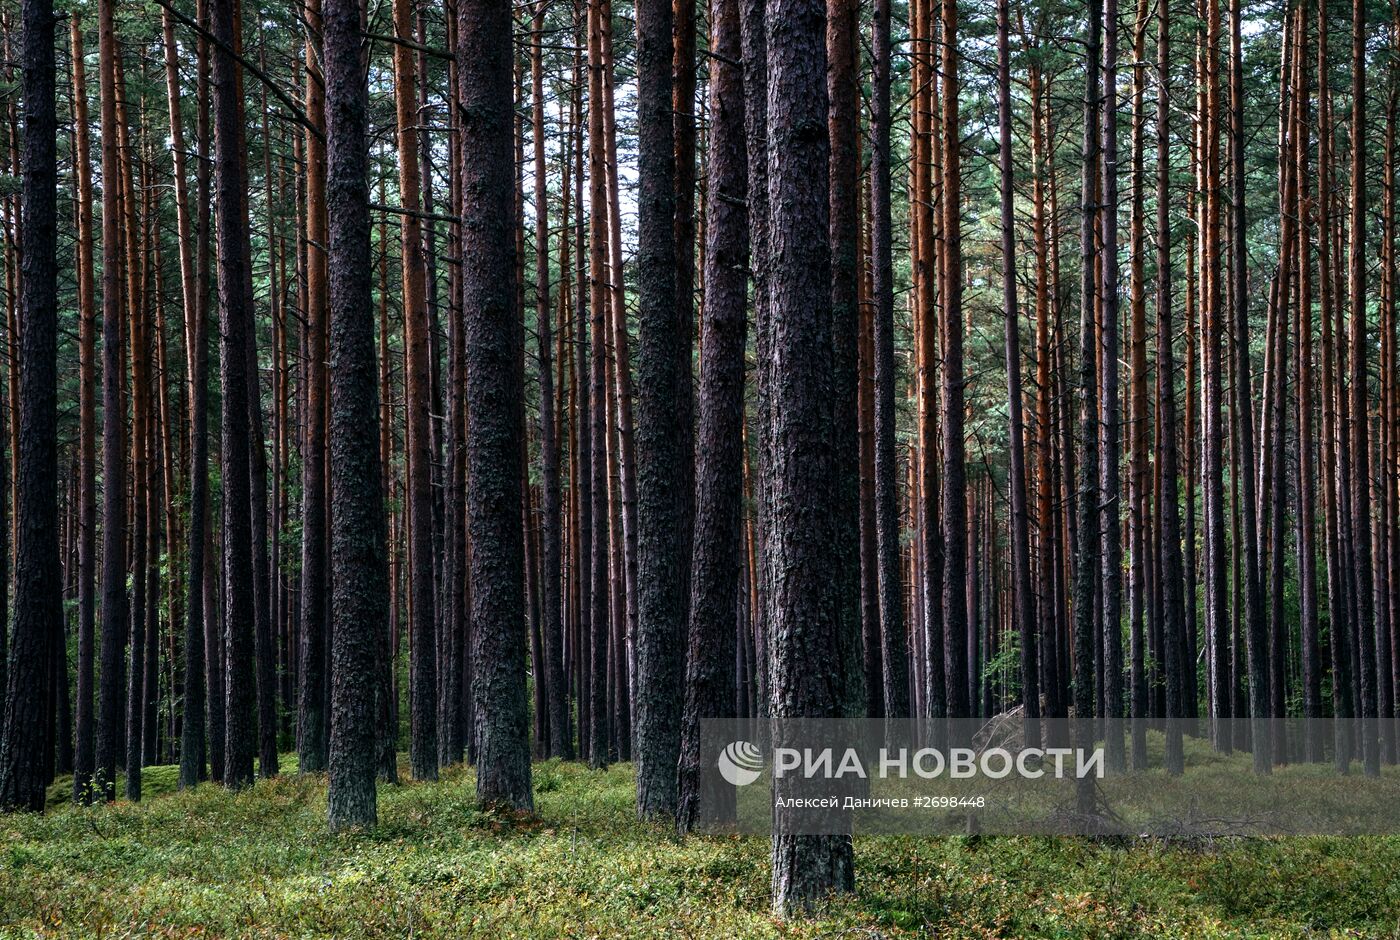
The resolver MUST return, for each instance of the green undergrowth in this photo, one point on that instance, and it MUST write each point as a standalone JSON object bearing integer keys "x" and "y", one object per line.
{"x": 260, "y": 863}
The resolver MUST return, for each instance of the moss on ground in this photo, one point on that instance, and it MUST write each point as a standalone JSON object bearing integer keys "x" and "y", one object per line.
{"x": 261, "y": 864}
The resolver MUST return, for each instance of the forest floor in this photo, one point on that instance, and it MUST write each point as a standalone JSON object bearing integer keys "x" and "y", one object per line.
{"x": 261, "y": 864}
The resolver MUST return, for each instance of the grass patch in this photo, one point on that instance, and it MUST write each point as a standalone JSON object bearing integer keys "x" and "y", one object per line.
{"x": 260, "y": 863}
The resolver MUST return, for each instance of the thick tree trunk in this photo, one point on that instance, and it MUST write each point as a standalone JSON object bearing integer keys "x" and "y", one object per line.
{"x": 803, "y": 630}
{"x": 491, "y": 334}
{"x": 714, "y": 586}
{"x": 843, "y": 120}
{"x": 38, "y": 628}
{"x": 359, "y": 598}
{"x": 662, "y": 430}
{"x": 234, "y": 319}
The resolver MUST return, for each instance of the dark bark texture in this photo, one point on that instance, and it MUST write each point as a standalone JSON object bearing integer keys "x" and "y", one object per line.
{"x": 715, "y": 559}
{"x": 109, "y": 713}
{"x": 360, "y": 585}
{"x": 38, "y": 630}
{"x": 661, "y": 450}
{"x": 234, "y": 319}
{"x": 491, "y": 331}
{"x": 806, "y": 670}
{"x": 889, "y": 577}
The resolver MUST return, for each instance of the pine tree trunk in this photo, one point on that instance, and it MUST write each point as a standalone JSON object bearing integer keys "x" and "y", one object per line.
{"x": 213, "y": 630}
{"x": 1221, "y": 699}
{"x": 1274, "y": 472}
{"x": 893, "y": 675}
{"x": 755, "y": 56}
{"x": 803, "y": 630}
{"x": 1342, "y": 704}
{"x": 1388, "y": 526}
{"x": 873, "y": 651}
{"x": 928, "y": 575}
{"x": 84, "y": 753}
{"x": 1312, "y": 665}
{"x": 713, "y": 620}
{"x": 1087, "y": 559}
{"x": 491, "y": 335}
{"x": 192, "y": 743}
{"x": 1178, "y": 669}
{"x": 38, "y": 627}
{"x": 562, "y": 730}
{"x": 1020, "y": 522}
{"x": 133, "y": 270}
{"x": 312, "y": 684}
{"x": 955, "y": 572}
{"x": 1258, "y": 652}
{"x": 599, "y": 294}
{"x": 1109, "y": 489}
{"x": 843, "y": 124}
{"x": 359, "y": 599}
{"x": 1051, "y": 548}
{"x": 1140, "y": 609}
{"x": 663, "y": 428}
{"x": 1360, "y": 421}
{"x": 622, "y": 454}
{"x": 114, "y": 604}
{"x": 684, "y": 128}
{"x": 556, "y": 692}
{"x": 239, "y": 615}
{"x": 423, "y": 741}
{"x": 622, "y": 392}
{"x": 264, "y": 662}
{"x": 581, "y": 484}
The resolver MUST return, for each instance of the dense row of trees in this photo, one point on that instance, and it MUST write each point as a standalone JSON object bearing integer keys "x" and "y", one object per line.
{"x": 890, "y": 445}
